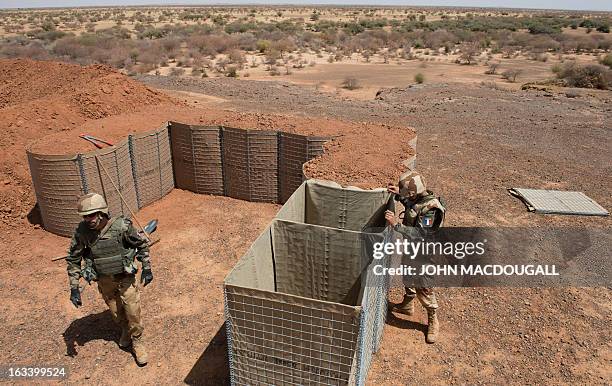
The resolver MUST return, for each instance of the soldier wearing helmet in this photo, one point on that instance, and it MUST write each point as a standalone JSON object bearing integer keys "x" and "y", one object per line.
{"x": 425, "y": 211}
{"x": 104, "y": 249}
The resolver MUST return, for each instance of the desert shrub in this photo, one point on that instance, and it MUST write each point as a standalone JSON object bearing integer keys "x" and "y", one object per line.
{"x": 177, "y": 71}
{"x": 236, "y": 57}
{"x": 263, "y": 45}
{"x": 232, "y": 72}
{"x": 419, "y": 78}
{"x": 540, "y": 57}
{"x": 542, "y": 28}
{"x": 143, "y": 68}
{"x": 33, "y": 50}
{"x": 490, "y": 84}
{"x": 468, "y": 53}
{"x": 283, "y": 45}
{"x": 350, "y": 83}
{"x": 556, "y": 68}
{"x": 274, "y": 71}
{"x": 586, "y": 76}
{"x": 272, "y": 56}
{"x": 492, "y": 70}
{"x": 183, "y": 61}
{"x": 606, "y": 60}
{"x": 511, "y": 74}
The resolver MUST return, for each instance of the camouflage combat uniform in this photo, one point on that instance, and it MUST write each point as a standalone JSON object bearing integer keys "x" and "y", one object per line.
{"x": 427, "y": 204}
{"x": 110, "y": 254}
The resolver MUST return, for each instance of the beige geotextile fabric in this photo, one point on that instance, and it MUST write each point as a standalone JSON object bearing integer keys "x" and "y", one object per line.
{"x": 318, "y": 262}
{"x": 330, "y": 205}
{"x": 255, "y": 269}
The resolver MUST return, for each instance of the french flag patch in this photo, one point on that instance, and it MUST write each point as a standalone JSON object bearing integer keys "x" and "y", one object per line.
{"x": 427, "y": 222}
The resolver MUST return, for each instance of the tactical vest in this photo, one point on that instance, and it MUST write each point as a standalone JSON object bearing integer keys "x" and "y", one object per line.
{"x": 108, "y": 252}
{"x": 423, "y": 207}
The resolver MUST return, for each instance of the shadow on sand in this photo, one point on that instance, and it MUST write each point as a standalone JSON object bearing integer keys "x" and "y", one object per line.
{"x": 212, "y": 367}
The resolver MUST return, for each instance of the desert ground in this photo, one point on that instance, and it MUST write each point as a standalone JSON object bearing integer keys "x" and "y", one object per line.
{"x": 478, "y": 134}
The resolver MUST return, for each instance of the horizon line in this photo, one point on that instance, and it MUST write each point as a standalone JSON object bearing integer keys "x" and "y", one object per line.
{"x": 302, "y": 5}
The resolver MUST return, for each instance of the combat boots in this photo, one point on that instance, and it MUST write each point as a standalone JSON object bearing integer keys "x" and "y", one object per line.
{"x": 406, "y": 307}
{"x": 433, "y": 326}
{"x": 139, "y": 350}
{"x": 126, "y": 339}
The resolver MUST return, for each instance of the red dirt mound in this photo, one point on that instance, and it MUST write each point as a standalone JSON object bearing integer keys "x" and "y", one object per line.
{"x": 39, "y": 98}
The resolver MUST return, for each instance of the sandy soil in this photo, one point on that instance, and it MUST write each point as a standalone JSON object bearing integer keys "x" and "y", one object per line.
{"x": 474, "y": 142}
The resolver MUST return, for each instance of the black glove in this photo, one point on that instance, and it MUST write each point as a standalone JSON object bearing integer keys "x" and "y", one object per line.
{"x": 146, "y": 277}
{"x": 75, "y": 297}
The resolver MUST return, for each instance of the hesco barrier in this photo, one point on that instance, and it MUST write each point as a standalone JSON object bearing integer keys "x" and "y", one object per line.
{"x": 104, "y": 170}
{"x": 197, "y": 158}
{"x": 151, "y": 165}
{"x": 252, "y": 165}
{"x": 57, "y": 184}
{"x": 301, "y": 305}
{"x": 139, "y": 167}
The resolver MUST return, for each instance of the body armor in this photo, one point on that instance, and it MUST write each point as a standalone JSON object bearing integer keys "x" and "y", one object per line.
{"x": 109, "y": 255}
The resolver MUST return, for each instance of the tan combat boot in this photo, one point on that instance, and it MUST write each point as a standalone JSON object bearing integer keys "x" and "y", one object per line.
{"x": 433, "y": 326}
{"x": 406, "y": 307}
{"x": 126, "y": 338}
{"x": 139, "y": 350}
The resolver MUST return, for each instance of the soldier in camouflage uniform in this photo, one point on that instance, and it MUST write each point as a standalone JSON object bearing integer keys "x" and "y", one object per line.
{"x": 104, "y": 249}
{"x": 423, "y": 210}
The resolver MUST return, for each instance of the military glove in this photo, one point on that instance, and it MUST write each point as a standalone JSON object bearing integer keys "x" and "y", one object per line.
{"x": 75, "y": 297}
{"x": 146, "y": 277}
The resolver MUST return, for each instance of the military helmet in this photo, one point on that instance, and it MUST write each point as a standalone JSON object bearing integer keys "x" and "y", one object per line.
{"x": 92, "y": 203}
{"x": 412, "y": 182}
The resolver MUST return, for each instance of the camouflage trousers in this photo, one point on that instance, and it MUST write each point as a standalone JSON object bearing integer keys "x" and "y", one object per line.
{"x": 122, "y": 296}
{"x": 426, "y": 296}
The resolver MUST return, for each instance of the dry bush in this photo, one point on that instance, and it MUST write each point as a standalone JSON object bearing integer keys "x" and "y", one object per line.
{"x": 143, "y": 68}
{"x": 231, "y": 72}
{"x": 350, "y": 83}
{"x": 183, "y": 61}
{"x": 419, "y": 78}
{"x": 272, "y": 56}
{"x": 236, "y": 57}
{"x": 468, "y": 53}
{"x": 490, "y": 84}
{"x": 274, "y": 71}
{"x": 176, "y": 71}
{"x": 511, "y": 74}
{"x": 606, "y": 60}
{"x": 585, "y": 76}
{"x": 492, "y": 70}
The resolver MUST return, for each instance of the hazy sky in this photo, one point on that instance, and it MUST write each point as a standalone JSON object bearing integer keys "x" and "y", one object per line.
{"x": 596, "y": 5}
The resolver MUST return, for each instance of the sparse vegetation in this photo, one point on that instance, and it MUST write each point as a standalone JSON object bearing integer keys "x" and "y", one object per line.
{"x": 419, "y": 78}
{"x": 351, "y": 83}
{"x": 492, "y": 70}
{"x": 606, "y": 60}
{"x": 511, "y": 74}
{"x": 137, "y": 39}
{"x": 585, "y": 76}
